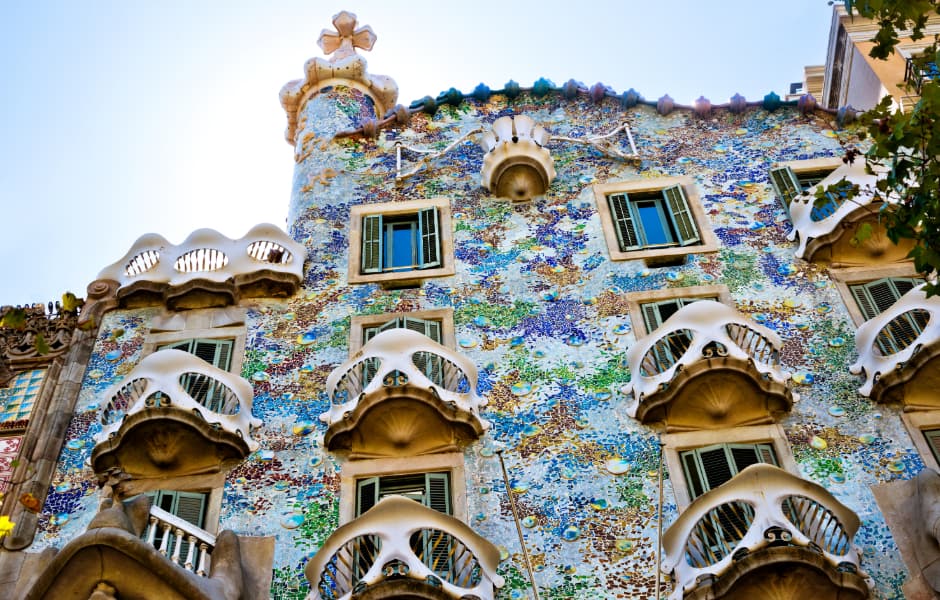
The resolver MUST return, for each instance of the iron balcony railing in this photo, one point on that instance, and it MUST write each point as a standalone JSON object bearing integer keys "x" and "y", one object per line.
{"x": 400, "y": 538}
{"x": 763, "y": 506}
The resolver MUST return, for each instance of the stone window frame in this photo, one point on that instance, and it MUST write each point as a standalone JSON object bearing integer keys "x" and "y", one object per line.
{"x": 170, "y": 327}
{"x": 843, "y": 278}
{"x": 451, "y": 462}
{"x": 635, "y": 300}
{"x": 654, "y": 256}
{"x": 675, "y": 443}
{"x": 358, "y": 323}
{"x": 916, "y": 423}
{"x": 401, "y": 278}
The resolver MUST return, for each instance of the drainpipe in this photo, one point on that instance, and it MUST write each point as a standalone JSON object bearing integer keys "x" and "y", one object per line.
{"x": 515, "y": 517}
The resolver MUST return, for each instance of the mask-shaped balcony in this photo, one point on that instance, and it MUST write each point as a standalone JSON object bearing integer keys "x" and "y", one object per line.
{"x": 826, "y": 229}
{"x": 899, "y": 352}
{"x": 708, "y": 367}
{"x": 131, "y": 547}
{"x": 402, "y": 394}
{"x": 516, "y": 163}
{"x": 174, "y": 414}
{"x": 402, "y": 549}
{"x": 208, "y": 269}
{"x": 765, "y": 534}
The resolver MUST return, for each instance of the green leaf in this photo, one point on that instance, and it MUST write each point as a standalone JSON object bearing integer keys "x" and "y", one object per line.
{"x": 71, "y": 303}
{"x": 862, "y": 234}
{"x": 41, "y": 346}
{"x": 14, "y": 318}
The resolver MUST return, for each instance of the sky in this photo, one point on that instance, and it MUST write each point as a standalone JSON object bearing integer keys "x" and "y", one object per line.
{"x": 121, "y": 118}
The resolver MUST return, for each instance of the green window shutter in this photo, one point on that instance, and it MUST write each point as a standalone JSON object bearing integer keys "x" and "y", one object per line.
{"x": 883, "y": 294}
{"x": 767, "y": 455}
{"x": 681, "y": 216}
{"x": 651, "y": 316}
{"x": 217, "y": 353}
{"x": 627, "y": 236}
{"x": 933, "y": 439}
{"x": 693, "y": 474}
{"x": 905, "y": 284}
{"x": 191, "y": 507}
{"x": 437, "y": 494}
{"x": 716, "y": 466}
{"x": 429, "y": 238}
{"x": 785, "y": 184}
{"x": 864, "y": 301}
{"x": 372, "y": 244}
{"x": 367, "y": 494}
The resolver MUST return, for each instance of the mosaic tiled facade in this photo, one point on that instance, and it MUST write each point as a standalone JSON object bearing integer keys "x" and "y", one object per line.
{"x": 540, "y": 309}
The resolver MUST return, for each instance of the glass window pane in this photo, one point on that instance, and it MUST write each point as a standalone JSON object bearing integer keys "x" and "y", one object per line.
{"x": 654, "y": 226}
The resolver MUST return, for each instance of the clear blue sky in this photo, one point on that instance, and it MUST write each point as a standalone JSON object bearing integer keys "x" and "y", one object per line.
{"x": 121, "y": 118}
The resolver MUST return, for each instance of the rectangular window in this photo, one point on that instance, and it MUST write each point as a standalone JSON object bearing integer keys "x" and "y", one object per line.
{"x": 652, "y": 219}
{"x": 17, "y": 399}
{"x": 433, "y": 547}
{"x": 431, "y": 365}
{"x": 205, "y": 390}
{"x": 933, "y": 440}
{"x": 875, "y": 297}
{"x": 656, "y": 313}
{"x": 189, "y": 506}
{"x": 709, "y": 467}
{"x": 401, "y": 242}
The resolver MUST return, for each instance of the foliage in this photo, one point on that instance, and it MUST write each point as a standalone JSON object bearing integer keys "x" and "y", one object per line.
{"x": 905, "y": 146}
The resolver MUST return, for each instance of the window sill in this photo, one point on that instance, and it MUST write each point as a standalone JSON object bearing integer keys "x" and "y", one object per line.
{"x": 397, "y": 279}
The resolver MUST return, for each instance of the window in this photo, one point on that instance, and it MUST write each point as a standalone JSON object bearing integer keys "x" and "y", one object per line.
{"x": 877, "y": 296}
{"x": 933, "y": 440}
{"x": 400, "y": 241}
{"x": 16, "y": 406}
{"x": 792, "y": 179}
{"x": 206, "y": 390}
{"x": 650, "y": 309}
{"x": 709, "y": 467}
{"x": 189, "y": 506}
{"x": 657, "y": 220}
{"x": 430, "y": 489}
{"x": 699, "y": 461}
{"x": 437, "y": 324}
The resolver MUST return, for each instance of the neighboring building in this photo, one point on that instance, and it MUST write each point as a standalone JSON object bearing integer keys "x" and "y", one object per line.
{"x": 639, "y": 306}
{"x": 853, "y": 78}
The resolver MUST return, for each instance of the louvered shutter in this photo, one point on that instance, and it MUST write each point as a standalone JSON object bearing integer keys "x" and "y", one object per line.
{"x": 864, "y": 301}
{"x": 905, "y": 284}
{"x": 372, "y": 244}
{"x": 693, "y": 475}
{"x": 883, "y": 294}
{"x": 627, "y": 236}
{"x": 681, "y": 216}
{"x": 716, "y": 467}
{"x": 767, "y": 455}
{"x": 438, "y": 492}
{"x": 785, "y": 184}
{"x": 437, "y": 544}
{"x": 367, "y": 494}
{"x": 429, "y": 238}
{"x": 651, "y": 316}
{"x": 191, "y": 507}
{"x": 933, "y": 439}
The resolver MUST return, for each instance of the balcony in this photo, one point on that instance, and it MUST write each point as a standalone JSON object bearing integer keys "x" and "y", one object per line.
{"x": 174, "y": 414}
{"x": 708, "y": 367}
{"x": 825, "y": 229}
{"x": 765, "y": 534}
{"x": 402, "y": 549}
{"x": 899, "y": 352}
{"x": 127, "y": 549}
{"x": 402, "y": 394}
{"x": 208, "y": 269}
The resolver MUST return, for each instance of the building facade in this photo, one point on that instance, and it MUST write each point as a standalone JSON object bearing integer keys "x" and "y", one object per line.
{"x": 639, "y": 308}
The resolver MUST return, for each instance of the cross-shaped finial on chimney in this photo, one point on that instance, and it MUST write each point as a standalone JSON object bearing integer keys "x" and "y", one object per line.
{"x": 343, "y": 44}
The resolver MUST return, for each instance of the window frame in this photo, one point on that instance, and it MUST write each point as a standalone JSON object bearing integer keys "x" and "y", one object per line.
{"x": 445, "y": 236}
{"x": 359, "y": 323}
{"x": 352, "y": 471}
{"x": 918, "y": 423}
{"x": 655, "y": 254}
{"x": 845, "y": 278}
{"x": 798, "y": 167}
{"x": 676, "y": 443}
{"x": 637, "y": 300}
